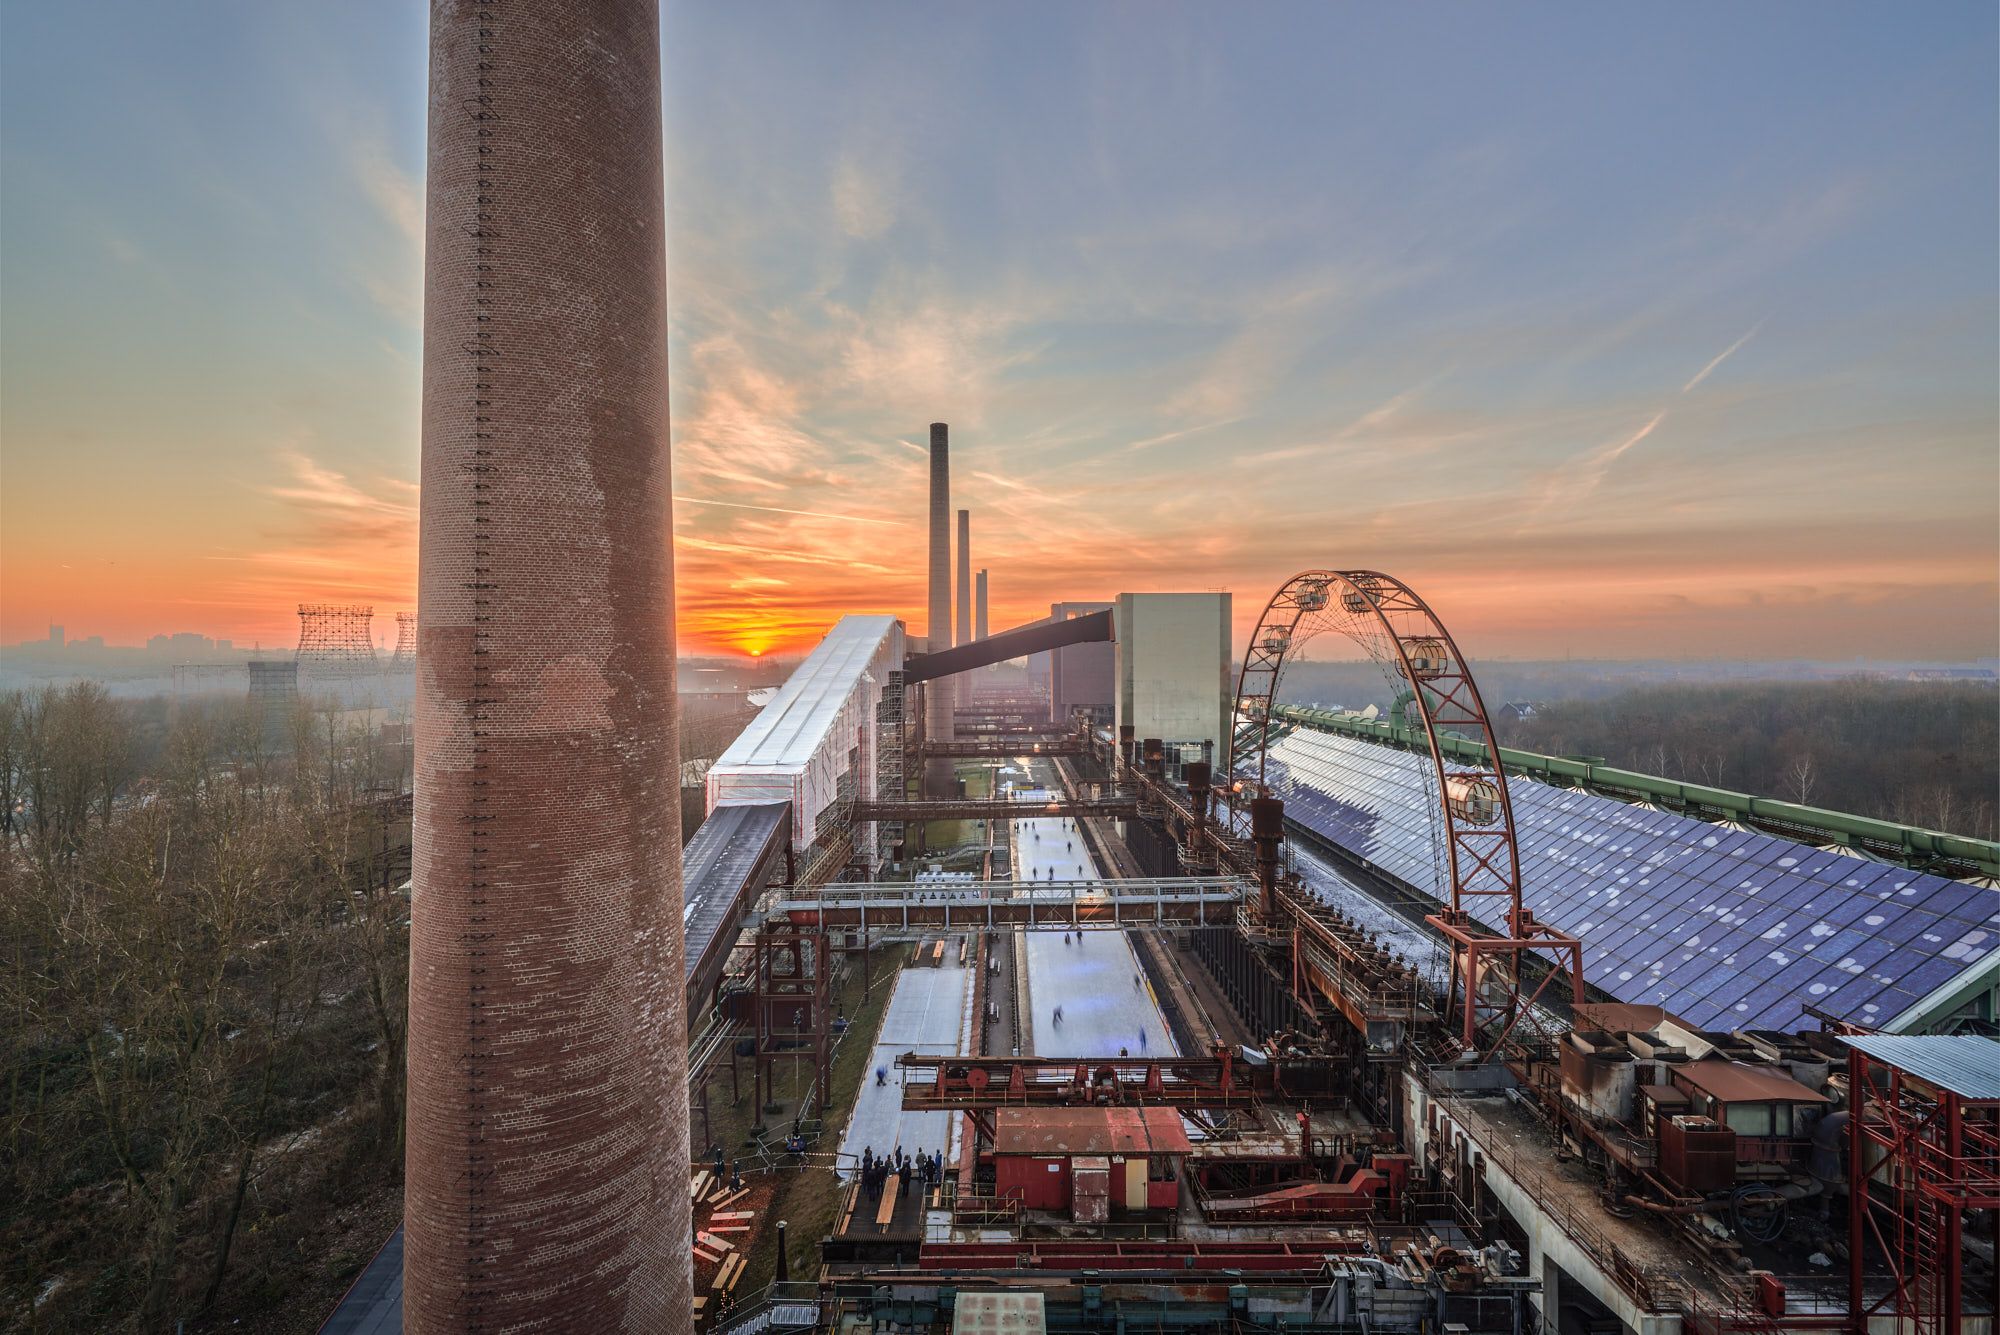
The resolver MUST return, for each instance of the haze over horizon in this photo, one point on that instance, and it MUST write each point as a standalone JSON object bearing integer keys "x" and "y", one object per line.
{"x": 1611, "y": 338}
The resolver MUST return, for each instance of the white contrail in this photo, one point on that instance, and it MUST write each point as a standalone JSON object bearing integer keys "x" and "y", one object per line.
{"x": 1605, "y": 457}
{"x": 1722, "y": 357}
{"x": 780, "y": 510}
{"x": 1151, "y": 441}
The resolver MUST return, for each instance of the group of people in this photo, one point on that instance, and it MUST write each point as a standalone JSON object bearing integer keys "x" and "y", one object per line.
{"x": 926, "y": 1169}
{"x": 1069, "y": 845}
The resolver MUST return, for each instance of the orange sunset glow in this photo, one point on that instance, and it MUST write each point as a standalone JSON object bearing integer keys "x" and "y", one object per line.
{"x": 1623, "y": 414}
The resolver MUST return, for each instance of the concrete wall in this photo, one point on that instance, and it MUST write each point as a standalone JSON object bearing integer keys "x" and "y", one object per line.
{"x": 1550, "y": 1249}
{"x": 1173, "y": 666}
{"x": 1082, "y": 675}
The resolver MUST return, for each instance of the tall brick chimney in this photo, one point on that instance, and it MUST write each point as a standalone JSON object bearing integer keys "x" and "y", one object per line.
{"x": 965, "y": 577}
{"x": 547, "y": 1172}
{"x": 979, "y": 617}
{"x": 938, "y": 693}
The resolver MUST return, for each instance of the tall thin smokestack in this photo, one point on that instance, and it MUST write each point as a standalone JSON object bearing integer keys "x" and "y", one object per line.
{"x": 979, "y": 619}
{"x": 547, "y": 1171}
{"x": 965, "y": 577}
{"x": 938, "y": 693}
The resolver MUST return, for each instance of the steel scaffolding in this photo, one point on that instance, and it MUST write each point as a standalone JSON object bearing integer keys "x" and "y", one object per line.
{"x": 335, "y": 635}
{"x": 1923, "y": 1149}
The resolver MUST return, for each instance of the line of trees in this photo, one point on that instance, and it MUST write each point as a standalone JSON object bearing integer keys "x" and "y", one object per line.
{"x": 1925, "y": 754}
{"x": 205, "y": 977}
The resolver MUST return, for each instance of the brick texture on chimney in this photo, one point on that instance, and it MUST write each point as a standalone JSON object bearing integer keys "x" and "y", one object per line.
{"x": 547, "y": 1170}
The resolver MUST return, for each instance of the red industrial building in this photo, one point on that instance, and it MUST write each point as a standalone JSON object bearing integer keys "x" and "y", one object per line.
{"x": 1088, "y": 1162}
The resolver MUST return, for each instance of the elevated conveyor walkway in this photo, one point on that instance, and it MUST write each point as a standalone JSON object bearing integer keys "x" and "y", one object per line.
{"x": 1184, "y": 901}
{"x": 730, "y": 859}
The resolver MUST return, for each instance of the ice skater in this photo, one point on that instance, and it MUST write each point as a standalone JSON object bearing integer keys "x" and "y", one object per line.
{"x": 1142, "y": 1040}
{"x": 1057, "y": 1017}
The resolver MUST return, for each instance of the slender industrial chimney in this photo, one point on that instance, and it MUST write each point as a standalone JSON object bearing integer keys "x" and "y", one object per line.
{"x": 965, "y": 577}
{"x": 938, "y": 692}
{"x": 979, "y": 616}
{"x": 547, "y": 1170}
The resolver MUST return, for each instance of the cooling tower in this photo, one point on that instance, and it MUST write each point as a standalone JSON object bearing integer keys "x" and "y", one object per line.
{"x": 547, "y": 1171}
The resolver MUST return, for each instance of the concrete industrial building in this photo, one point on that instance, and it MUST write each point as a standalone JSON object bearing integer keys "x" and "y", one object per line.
{"x": 1082, "y": 677}
{"x": 547, "y": 1183}
{"x": 1173, "y": 663}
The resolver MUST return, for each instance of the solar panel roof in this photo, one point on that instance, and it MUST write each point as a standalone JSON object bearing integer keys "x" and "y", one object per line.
{"x": 1727, "y": 928}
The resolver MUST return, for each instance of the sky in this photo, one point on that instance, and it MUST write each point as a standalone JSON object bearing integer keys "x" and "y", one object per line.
{"x": 1616, "y": 331}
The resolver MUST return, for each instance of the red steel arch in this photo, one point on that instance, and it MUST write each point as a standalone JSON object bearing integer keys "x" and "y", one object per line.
{"x": 1398, "y": 628}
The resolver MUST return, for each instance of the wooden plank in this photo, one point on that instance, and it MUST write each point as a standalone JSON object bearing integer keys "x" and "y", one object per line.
{"x": 887, "y": 1210}
{"x": 710, "y": 1240}
{"x": 729, "y": 1228}
{"x": 737, "y": 1194}
{"x": 710, "y": 1257}
{"x": 733, "y": 1214}
{"x": 734, "y": 1272}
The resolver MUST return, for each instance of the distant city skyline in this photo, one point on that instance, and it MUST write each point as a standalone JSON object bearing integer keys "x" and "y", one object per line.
{"x": 1620, "y": 333}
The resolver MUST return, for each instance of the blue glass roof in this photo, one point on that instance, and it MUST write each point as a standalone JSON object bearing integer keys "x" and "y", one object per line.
{"x": 1729, "y": 929}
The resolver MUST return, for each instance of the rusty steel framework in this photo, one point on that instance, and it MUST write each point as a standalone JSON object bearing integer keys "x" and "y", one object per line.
{"x": 1219, "y": 1079}
{"x": 335, "y": 635}
{"x": 791, "y": 982}
{"x": 406, "y": 639}
{"x": 1398, "y": 629}
{"x": 1920, "y": 1158}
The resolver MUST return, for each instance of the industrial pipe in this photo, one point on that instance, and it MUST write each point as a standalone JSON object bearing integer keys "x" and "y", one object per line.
{"x": 1267, "y": 831}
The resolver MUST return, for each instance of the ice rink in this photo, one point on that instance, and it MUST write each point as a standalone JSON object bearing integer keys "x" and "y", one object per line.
{"x": 1091, "y": 978}
{"x": 928, "y": 1013}
{"x": 1049, "y": 843}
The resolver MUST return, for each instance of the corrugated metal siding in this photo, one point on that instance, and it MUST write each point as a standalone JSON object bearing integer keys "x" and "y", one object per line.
{"x": 1965, "y": 1064}
{"x": 796, "y": 749}
{"x": 787, "y": 732}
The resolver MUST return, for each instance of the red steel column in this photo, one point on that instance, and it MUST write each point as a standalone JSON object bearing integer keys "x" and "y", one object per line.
{"x": 547, "y": 1183}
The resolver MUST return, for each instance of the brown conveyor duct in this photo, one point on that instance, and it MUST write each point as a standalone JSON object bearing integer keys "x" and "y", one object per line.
{"x": 1093, "y": 628}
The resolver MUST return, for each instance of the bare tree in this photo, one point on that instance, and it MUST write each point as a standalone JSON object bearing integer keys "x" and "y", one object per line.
{"x": 1800, "y": 774}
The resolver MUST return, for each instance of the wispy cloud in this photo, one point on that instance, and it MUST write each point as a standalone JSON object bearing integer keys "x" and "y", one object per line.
{"x": 781, "y": 510}
{"x": 1722, "y": 357}
{"x": 866, "y": 194}
{"x": 1184, "y": 432}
